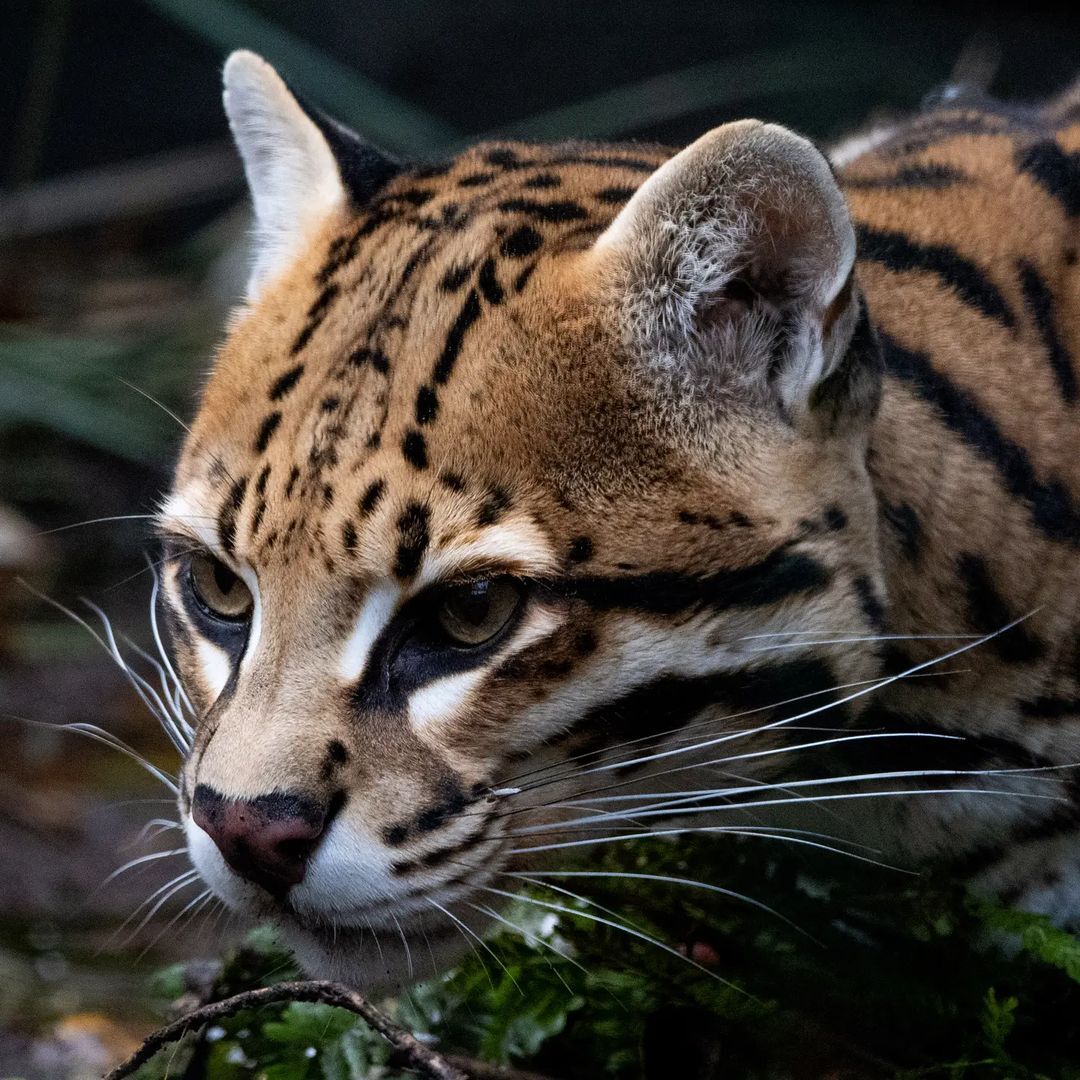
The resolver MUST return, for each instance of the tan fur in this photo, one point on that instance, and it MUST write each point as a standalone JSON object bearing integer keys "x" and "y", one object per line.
{"x": 559, "y": 452}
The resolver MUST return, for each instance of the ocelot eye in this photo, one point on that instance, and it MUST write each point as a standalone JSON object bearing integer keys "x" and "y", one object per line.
{"x": 475, "y": 612}
{"x": 218, "y": 589}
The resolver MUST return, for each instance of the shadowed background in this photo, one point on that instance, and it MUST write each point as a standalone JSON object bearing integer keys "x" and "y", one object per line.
{"x": 122, "y": 227}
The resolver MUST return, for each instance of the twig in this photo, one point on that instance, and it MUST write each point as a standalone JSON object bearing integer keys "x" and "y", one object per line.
{"x": 409, "y": 1050}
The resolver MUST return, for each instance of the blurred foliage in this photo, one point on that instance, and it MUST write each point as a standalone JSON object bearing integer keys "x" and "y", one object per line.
{"x": 875, "y": 976}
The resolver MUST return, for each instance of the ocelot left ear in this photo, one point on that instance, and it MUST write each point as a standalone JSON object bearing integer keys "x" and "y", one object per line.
{"x": 301, "y": 165}
{"x": 733, "y": 266}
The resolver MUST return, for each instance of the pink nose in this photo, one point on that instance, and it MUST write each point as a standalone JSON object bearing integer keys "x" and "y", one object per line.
{"x": 267, "y": 840}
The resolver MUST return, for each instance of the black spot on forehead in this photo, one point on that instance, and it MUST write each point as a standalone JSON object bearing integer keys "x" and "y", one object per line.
{"x": 290, "y": 484}
{"x": 489, "y": 283}
{"x": 266, "y": 431}
{"x": 413, "y": 530}
{"x": 230, "y": 508}
{"x": 452, "y": 481}
{"x": 375, "y": 357}
{"x": 260, "y": 484}
{"x": 427, "y": 405}
{"x": 521, "y": 243}
{"x": 414, "y": 450}
{"x": 283, "y": 384}
{"x": 370, "y": 499}
{"x": 478, "y": 179}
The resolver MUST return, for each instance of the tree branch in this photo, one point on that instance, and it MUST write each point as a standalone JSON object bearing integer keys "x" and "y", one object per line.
{"x": 408, "y": 1050}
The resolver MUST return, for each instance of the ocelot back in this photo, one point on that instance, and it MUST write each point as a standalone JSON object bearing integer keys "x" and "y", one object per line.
{"x": 552, "y": 476}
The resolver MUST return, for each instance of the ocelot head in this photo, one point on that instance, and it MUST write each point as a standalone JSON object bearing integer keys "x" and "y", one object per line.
{"x": 510, "y": 478}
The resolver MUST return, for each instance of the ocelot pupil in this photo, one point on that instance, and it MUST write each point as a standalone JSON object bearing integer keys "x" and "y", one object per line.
{"x": 224, "y": 578}
{"x": 474, "y": 606}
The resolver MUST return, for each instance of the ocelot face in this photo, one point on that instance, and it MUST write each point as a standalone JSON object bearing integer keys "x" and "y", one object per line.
{"x": 507, "y": 478}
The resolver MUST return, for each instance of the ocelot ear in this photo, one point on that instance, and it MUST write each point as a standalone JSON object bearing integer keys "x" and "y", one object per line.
{"x": 300, "y": 164}
{"x": 733, "y": 269}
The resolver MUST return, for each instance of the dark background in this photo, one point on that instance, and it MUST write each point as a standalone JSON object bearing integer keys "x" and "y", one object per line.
{"x": 121, "y": 248}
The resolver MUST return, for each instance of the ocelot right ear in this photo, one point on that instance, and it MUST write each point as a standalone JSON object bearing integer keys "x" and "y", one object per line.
{"x": 733, "y": 265}
{"x": 301, "y": 165}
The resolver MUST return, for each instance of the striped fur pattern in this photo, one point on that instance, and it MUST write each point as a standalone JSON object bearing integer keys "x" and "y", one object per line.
{"x": 740, "y": 485}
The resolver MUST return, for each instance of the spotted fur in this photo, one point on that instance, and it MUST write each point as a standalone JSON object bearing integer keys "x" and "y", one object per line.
{"x": 657, "y": 391}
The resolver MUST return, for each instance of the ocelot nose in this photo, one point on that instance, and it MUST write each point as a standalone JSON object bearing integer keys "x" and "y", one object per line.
{"x": 269, "y": 839}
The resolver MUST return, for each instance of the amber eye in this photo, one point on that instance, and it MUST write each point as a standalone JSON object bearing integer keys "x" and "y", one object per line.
{"x": 218, "y": 589}
{"x": 473, "y": 613}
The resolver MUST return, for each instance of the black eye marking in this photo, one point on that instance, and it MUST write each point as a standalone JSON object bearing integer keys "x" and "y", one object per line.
{"x": 521, "y": 243}
{"x": 414, "y": 449}
{"x": 835, "y": 519}
{"x": 370, "y": 499}
{"x": 413, "y": 527}
{"x": 266, "y": 431}
{"x": 581, "y": 549}
{"x": 285, "y": 383}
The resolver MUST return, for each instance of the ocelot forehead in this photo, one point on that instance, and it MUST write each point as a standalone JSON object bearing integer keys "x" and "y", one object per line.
{"x": 433, "y": 347}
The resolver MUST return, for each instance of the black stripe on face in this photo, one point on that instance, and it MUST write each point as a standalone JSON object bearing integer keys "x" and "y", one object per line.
{"x": 988, "y": 612}
{"x": 1052, "y": 508}
{"x": 469, "y": 313}
{"x": 1040, "y": 303}
{"x": 671, "y": 702}
{"x": 229, "y": 512}
{"x": 1057, "y": 172}
{"x": 899, "y": 253}
{"x": 778, "y": 576}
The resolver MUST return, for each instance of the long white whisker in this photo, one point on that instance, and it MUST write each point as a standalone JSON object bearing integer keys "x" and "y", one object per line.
{"x": 491, "y": 913}
{"x": 106, "y": 738}
{"x": 162, "y": 651}
{"x": 465, "y": 926}
{"x": 648, "y": 938}
{"x": 845, "y": 796}
{"x": 141, "y": 686}
{"x": 804, "y": 644}
{"x": 877, "y": 685}
{"x": 665, "y": 879}
{"x": 139, "y": 862}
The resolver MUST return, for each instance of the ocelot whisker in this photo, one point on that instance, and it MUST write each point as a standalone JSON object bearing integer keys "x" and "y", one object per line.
{"x": 491, "y": 913}
{"x": 140, "y": 861}
{"x": 817, "y": 710}
{"x": 670, "y": 880}
{"x": 106, "y": 738}
{"x": 162, "y": 651}
{"x": 734, "y": 758}
{"x": 465, "y": 927}
{"x": 541, "y": 830}
{"x": 647, "y": 938}
{"x": 117, "y": 517}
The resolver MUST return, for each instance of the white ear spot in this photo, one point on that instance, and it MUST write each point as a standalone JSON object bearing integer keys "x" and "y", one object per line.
{"x": 291, "y": 171}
